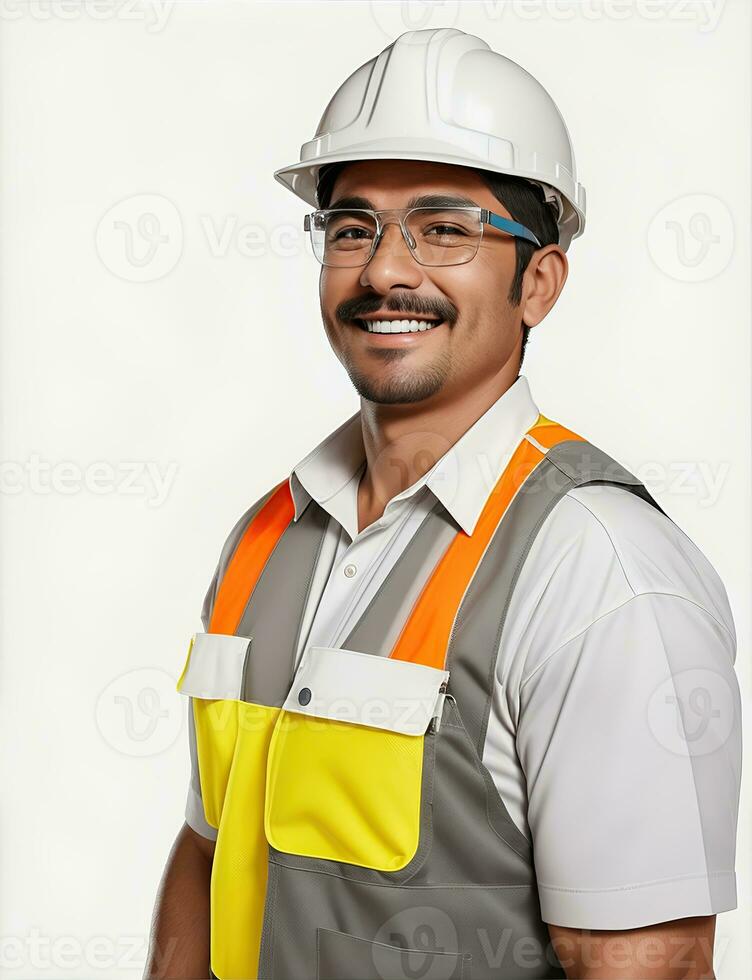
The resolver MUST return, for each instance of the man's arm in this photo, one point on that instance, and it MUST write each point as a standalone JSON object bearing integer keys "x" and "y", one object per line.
{"x": 628, "y": 731}
{"x": 681, "y": 949}
{"x": 179, "y": 944}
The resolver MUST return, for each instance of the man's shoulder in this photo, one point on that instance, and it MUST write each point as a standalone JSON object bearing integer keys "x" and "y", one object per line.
{"x": 231, "y": 542}
{"x": 613, "y": 534}
{"x": 605, "y": 555}
{"x": 241, "y": 524}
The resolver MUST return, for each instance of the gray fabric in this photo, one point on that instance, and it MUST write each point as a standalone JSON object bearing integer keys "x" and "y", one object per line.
{"x": 585, "y": 463}
{"x": 462, "y": 921}
{"x": 274, "y": 611}
{"x": 343, "y": 957}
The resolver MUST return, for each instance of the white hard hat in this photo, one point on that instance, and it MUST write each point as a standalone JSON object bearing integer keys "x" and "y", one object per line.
{"x": 443, "y": 95}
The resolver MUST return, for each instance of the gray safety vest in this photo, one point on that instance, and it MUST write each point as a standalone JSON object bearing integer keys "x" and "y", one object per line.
{"x": 372, "y": 847}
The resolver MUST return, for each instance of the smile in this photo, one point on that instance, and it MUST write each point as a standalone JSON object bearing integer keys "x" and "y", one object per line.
{"x": 398, "y": 326}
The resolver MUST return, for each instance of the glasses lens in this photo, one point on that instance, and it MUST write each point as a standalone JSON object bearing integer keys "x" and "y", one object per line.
{"x": 444, "y": 236}
{"x": 342, "y": 238}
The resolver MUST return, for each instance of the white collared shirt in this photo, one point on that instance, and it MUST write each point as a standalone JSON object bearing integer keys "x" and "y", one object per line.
{"x": 614, "y": 736}
{"x": 353, "y": 564}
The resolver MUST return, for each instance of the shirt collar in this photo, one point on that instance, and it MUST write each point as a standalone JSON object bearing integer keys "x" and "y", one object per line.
{"x": 462, "y": 479}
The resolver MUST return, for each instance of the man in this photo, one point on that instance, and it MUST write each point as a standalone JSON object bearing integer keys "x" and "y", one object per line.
{"x": 464, "y": 704}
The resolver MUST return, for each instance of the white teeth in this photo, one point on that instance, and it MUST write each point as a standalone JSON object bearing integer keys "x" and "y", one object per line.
{"x": 398, "y": 326}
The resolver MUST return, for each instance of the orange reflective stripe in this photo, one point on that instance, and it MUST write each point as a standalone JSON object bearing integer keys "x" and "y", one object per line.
{"x": 245, "y": 568}
{"x": 425, "y": 636}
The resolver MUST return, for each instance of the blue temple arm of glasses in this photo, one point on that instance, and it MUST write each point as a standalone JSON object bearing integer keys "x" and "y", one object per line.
{"x": 513, "y": 227}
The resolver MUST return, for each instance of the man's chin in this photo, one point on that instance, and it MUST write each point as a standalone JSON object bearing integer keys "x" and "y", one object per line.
{"x": 399, "y": 391}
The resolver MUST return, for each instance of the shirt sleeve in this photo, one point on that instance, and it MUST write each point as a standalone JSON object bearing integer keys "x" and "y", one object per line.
{"x": 630, "y": 740}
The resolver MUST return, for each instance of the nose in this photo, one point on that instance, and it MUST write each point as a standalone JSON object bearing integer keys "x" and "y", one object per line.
{"x": 392, "y": 264}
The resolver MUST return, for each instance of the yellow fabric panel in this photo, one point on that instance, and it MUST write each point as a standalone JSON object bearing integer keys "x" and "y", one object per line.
{"x": 541, "y": 421}
{"x": 344, "y": 792}
{"x": 239, "y": 873}
{"x": 216, "y": 734}
{"x": 185, "y": 665}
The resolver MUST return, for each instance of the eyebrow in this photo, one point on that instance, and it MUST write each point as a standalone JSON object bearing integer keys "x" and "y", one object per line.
{"x": 422, "y": 201}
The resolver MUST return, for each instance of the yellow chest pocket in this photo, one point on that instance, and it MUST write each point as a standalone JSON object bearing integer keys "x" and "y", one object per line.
{"x": 345, "y": 764}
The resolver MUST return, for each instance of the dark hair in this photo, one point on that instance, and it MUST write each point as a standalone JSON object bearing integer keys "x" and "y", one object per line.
{"x": 523, "y": 200}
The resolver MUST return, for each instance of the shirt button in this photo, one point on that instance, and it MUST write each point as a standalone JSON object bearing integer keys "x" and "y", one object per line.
{"x": 350, "y": 570}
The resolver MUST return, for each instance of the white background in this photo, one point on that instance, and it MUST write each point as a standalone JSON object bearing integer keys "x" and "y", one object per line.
{"x": 153, "y": 388}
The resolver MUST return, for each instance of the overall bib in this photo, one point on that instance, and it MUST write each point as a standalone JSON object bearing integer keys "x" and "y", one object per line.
{"x": 360, "y": 836}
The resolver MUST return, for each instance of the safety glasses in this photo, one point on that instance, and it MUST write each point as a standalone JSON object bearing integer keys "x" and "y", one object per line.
{"x": 346, "y": 238}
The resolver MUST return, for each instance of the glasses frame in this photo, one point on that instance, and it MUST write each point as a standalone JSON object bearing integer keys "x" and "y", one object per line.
{"x": 513, "y": 228}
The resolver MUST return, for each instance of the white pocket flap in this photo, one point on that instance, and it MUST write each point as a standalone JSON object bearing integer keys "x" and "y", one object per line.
{"x": 347, "y": 685}
{"x": 214, "y": 666}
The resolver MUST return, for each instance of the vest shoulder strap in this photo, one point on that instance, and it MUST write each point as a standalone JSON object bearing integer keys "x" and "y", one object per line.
{"x": 223, "y": 604}
{"x": 567, "y": 464}
{"x": 584, "y": 463}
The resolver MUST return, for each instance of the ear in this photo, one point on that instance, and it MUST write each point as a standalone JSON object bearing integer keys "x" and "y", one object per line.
{"x": 543, "y": 280}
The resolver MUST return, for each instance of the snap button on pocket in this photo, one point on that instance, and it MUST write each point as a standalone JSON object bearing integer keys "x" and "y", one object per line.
{"x": 304, "y": 695}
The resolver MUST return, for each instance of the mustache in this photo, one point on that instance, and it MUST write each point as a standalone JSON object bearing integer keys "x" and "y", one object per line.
{"x": 357, "y": 307}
